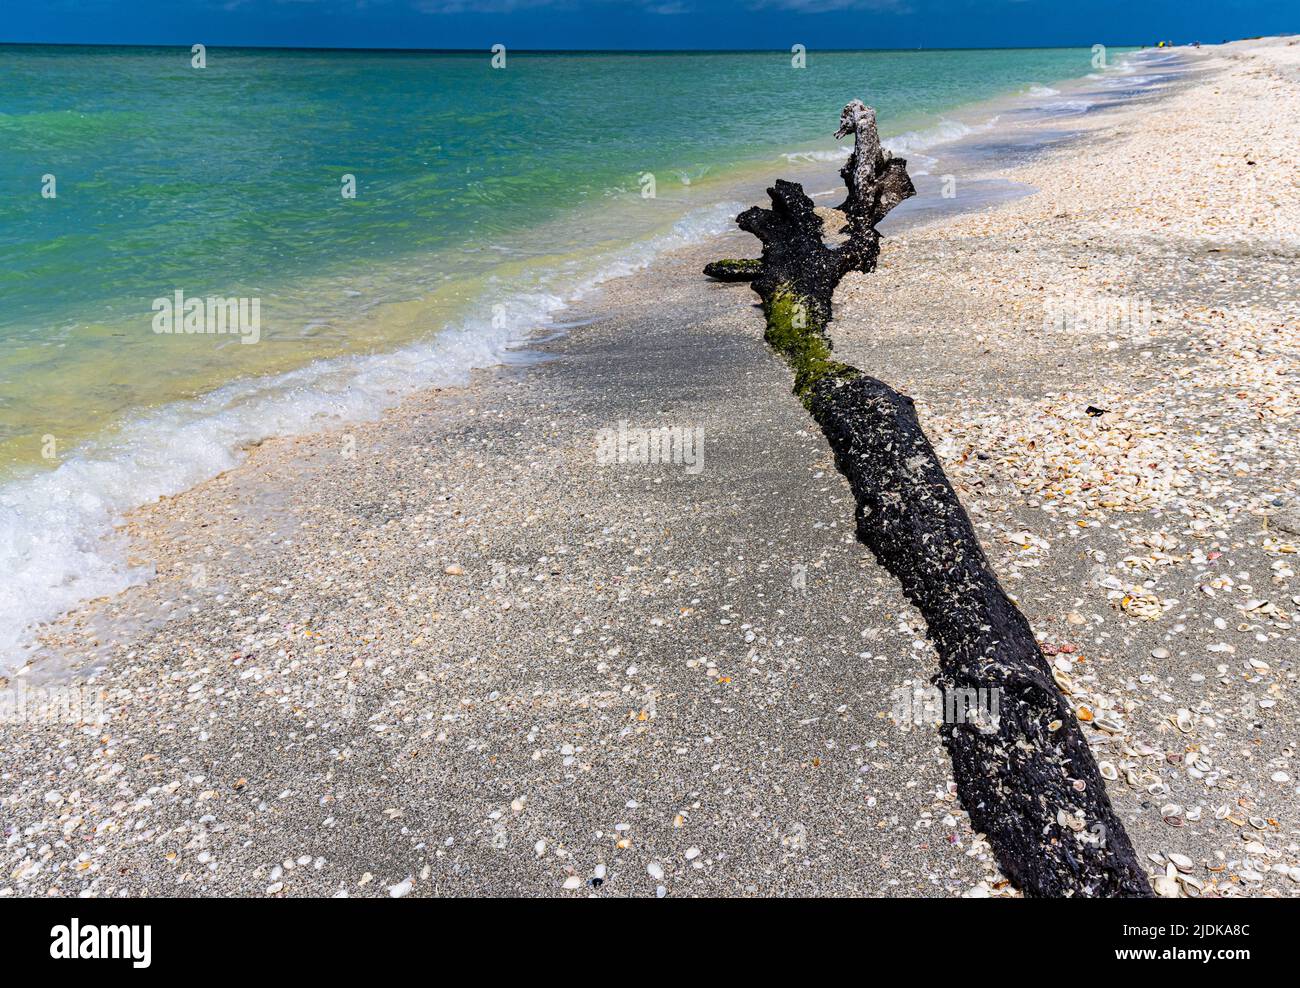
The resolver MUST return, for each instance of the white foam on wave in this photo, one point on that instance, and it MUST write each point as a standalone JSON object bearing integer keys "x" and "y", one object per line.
{"x": 944, "y": 131}
{"x": 807, "y": 157}
{"x": 1065, "y": 107}
{"x": 57, "y": 544}
{"x": 1129, "y": 80}
{"x": 909, "y": 144}
{"x": 1042, "y": 91}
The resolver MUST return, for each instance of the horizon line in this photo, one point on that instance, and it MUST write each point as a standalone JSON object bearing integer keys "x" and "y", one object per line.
{"x": 590, "y": 51}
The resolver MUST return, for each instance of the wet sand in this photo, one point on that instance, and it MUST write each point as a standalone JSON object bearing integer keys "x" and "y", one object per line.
{"x": 452, "y": 647}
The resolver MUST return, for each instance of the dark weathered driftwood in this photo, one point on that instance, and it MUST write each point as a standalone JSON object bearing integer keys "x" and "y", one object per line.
{"x": 1028, "y": 780}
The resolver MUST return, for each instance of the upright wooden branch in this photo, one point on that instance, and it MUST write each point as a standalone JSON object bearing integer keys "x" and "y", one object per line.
{"x": 1027, "y": 779}
{"x": 876, "y": 183}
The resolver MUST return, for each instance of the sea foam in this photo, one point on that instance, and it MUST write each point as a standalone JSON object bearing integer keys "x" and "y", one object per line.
{"x": 57, "y": 538}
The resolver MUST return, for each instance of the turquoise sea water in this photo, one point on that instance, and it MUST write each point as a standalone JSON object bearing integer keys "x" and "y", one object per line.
{"x": 484, "y": 197}
{"x": 227, "y": 179}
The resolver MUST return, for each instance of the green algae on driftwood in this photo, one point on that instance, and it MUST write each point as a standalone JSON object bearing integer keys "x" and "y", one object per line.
{"x": 734, "y": 269}
{"x": 1026, "y": 777}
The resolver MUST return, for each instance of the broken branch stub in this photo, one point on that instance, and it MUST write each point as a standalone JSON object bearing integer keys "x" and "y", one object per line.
{"x": 876, "y": 182}
{"x": 1027, "y": 778}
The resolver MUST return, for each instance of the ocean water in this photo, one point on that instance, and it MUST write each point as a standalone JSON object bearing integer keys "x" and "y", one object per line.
{"x": 486, "y": 198}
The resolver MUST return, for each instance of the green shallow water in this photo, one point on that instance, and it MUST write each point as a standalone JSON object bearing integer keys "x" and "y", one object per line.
{"x": 226, "y": 180}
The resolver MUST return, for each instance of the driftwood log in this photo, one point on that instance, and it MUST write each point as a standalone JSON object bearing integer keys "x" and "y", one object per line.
{"x": 1027, "y": 779}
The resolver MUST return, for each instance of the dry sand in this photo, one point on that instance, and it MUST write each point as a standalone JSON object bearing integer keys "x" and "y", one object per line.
{"x": 450, "y": 653}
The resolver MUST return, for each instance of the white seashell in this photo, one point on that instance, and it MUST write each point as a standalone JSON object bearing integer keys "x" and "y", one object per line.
{"x": 1181, "y": 861}
{"x": 1166, "y": 887}
{"x": 401, "y": 888}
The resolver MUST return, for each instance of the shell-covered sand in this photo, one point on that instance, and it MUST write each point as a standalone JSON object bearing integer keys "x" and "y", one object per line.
{"x": 452, "y": 653}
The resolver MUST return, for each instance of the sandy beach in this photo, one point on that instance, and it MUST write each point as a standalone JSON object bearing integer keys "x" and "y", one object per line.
{"x": 455, "y": 652}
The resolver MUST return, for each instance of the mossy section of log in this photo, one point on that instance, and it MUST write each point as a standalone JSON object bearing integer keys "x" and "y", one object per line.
{"x": 796, "y": 330}
{"x": 734, "y": 269}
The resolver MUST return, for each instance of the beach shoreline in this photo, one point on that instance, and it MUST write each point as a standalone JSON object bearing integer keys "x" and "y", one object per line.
{"x": 454, "y": 629}
{"x": 349, "y": 359}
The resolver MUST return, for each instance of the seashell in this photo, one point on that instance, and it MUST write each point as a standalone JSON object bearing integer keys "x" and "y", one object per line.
{"x": 1184, "y": 720}
{"x": 1108, "y": 771}
{"x": 1167, "y": 887}
{"x": 1141, "y": 606}
{"x": 1070, "y": 821}
{"x": 1181, "y": 861}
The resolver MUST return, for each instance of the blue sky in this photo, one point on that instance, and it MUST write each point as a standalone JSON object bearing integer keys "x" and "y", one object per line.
{"x": 518, "y": 24}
